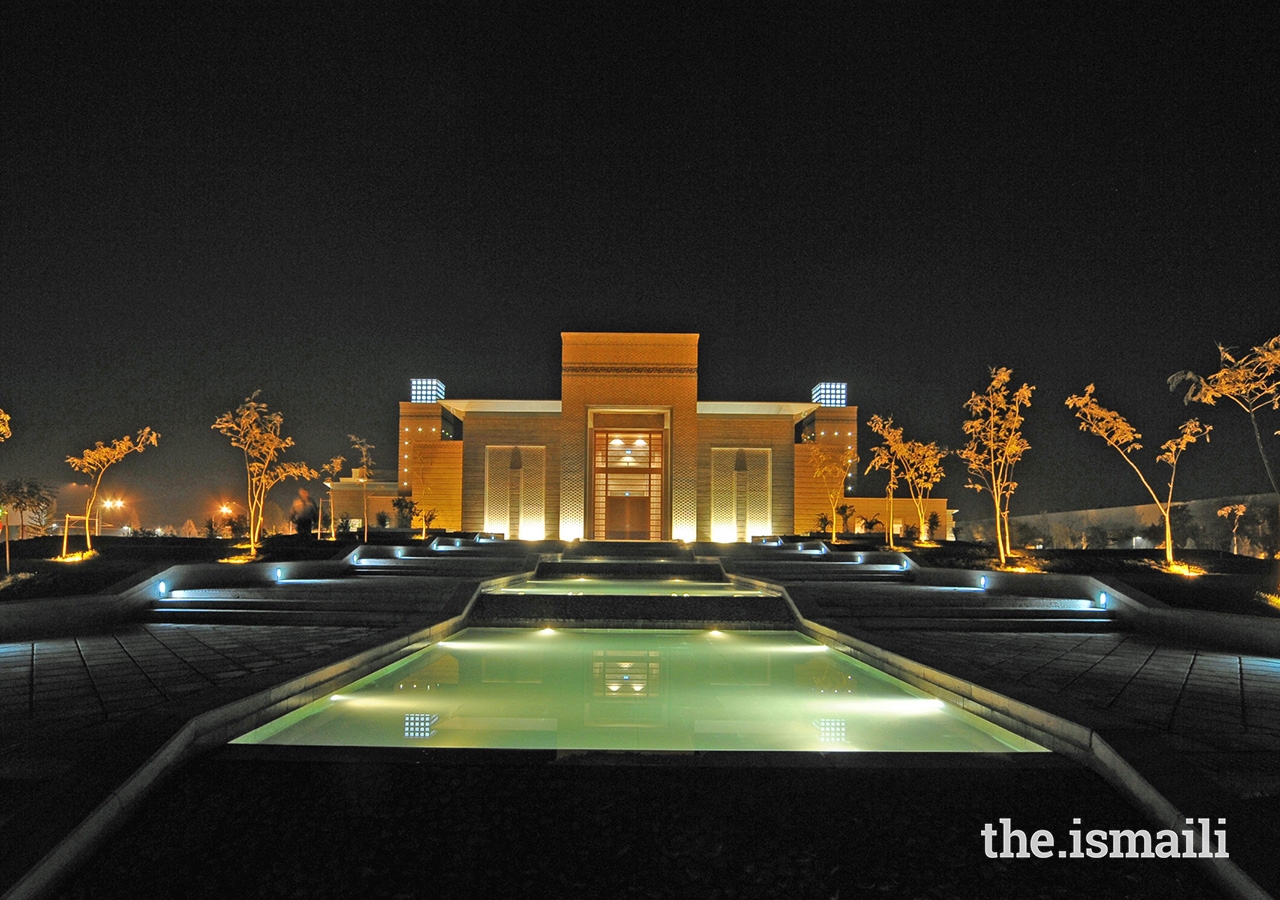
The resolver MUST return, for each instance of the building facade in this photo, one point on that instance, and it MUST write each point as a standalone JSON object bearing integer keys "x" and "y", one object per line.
{"x": 352, "y": 500}
{"x": 628, "y": 452}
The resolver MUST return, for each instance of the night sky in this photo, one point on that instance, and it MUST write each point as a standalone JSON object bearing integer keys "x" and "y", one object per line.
{"x": 324, "y": 201}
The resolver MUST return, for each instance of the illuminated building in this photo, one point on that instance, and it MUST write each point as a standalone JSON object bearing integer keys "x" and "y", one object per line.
{"x": 348, "y": 498}
{"x": 830, "y": 393}
{"x": 628, "y": 452}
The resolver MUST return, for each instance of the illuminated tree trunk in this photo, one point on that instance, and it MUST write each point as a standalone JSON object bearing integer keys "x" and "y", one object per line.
{"x": 1003, "y": 526}
{"x": 1000, "y": 548}
{"x": 1266, "y": 465}
{"x": 364, "y": 508}
{"x": 888, "y": 526}
{"x": 88, "y": 510}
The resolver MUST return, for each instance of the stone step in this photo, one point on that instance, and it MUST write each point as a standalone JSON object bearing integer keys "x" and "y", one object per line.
{"x": 477, "y": 566}
{"x": 817, "y": 570}
{"x": 256, "y": 591}
{"x": 1099, "y": 624}
{"x": 398, "y": 606}
{"x": 493, "y": 608}
{"x": 967, "y": 612}
{"x": 883, "y": 601}
{"x": 622, "y": 570}
{"x": 344, "y": 618}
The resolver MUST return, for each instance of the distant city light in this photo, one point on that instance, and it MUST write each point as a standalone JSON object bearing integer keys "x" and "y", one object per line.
{"x": 830, "y": 393}
{"x": 426, "y": 390}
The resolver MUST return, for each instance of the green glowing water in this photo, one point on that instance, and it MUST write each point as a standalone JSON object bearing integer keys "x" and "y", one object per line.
{"x": 597, "y": 689}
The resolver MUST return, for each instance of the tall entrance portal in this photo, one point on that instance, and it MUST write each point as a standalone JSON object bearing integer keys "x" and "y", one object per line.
{"x": 629, "y": 437}
{"x": 628, "y": 484}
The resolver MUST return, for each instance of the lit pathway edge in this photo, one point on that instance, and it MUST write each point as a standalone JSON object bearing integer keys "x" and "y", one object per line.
{"x": 1082, "y": 745}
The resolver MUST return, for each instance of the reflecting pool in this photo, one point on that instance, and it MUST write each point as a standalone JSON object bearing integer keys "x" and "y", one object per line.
{"x": 597, "y": 689}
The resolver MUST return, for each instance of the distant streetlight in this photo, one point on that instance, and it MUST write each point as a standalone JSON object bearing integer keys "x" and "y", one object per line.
{"x": 227, "y": 510}
{"x": 106, "y": 504}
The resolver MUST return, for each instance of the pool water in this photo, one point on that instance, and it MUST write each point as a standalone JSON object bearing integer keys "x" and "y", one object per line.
{"x": 598, "y": 689}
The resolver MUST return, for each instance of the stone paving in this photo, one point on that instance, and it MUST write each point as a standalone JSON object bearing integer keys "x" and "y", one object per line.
{"x": 1203, "y": 727}
{"x": 57, "y": 686}
{"x": 1206, "y": 699}
{"x": 1216, "y": 712}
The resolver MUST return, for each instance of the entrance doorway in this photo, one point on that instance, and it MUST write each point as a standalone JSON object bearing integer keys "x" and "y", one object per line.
{"x": 626, "y": 519}
{"x": 627, "y": 484}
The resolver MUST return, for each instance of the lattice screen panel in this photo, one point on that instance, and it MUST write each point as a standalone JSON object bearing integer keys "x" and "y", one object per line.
{"x": 741, "y": 493}
{"x": 515, "y": 494}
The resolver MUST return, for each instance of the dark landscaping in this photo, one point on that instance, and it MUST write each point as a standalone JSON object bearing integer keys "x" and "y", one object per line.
{"x": 409, "y": 824}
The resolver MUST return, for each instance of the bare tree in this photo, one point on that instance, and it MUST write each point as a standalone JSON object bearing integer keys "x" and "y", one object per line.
{"x": 332, "y": 469}
{"x": 918, "y": 464}
{"x": 1123, "y": 438}
{"x": 26, "y": 495}
{"x": 256, "y": 431}
{"x": 831, "y": 463}
{"x": 6, "y": 503}
{"x": 5, "y": 433}
{"x": 1235, "y": 510}
{"x": 886, "y": 458}
{"x": 95, "y": 463}
{"x": 996, "y": 445}
{"x": 366, "y": 472}
{"x": 1251, "y": 382}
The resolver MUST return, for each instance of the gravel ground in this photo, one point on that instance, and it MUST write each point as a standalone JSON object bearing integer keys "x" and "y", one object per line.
{"x": 410, "y": 825}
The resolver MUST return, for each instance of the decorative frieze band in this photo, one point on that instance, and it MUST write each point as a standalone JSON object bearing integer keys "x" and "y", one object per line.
{"x": 614, "y": 369}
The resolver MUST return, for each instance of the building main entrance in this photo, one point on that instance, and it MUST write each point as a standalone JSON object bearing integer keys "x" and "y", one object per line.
{"x": 628, "y": 484}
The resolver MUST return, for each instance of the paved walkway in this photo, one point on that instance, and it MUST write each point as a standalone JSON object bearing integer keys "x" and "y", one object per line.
{"x": 58, "y": 686}
{"x": 1203, "y": 727}
{"x": 79, "y": 713}
{"x": 1201, "y": 699}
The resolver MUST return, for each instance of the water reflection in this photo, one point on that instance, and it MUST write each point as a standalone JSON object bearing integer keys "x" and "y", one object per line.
{"x": 635, "y": 690}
